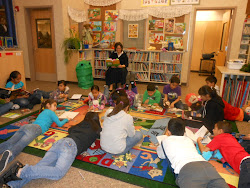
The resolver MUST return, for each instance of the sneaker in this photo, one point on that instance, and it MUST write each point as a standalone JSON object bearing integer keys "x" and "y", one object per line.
{"x": 4, "y": 160}
{"x": 10, "y": 174}
{"x": 3, "y": 185}
{"x": 15, "y": 107}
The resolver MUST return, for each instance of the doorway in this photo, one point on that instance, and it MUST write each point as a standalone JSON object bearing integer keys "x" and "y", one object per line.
{"x": 211, "y": 34}
{"x": 43, "y": 44}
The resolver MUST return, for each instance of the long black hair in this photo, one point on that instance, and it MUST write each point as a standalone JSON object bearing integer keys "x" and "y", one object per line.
{"x": 13, "y": 75}
{"x": 121, "y": 103}
{"x": 93, "y": 119}
{"x": 206, "y": 90}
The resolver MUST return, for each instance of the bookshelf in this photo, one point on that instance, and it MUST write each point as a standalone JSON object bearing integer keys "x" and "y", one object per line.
{"x": 235, "y": 86}
{"x": 149, "y": 66}
{"x": 155, "y": 66}
{"x": 244, "y": 52}
{"x": 100, "y": 56}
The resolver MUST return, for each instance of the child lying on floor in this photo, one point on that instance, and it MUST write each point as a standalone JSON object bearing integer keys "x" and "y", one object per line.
{"x": 27, "y": 133}
{"x": 231, "y": 151}
{"x": 52, "y": 166}
{"x": 192, "y": 169}
{"x": 59, "y": 95}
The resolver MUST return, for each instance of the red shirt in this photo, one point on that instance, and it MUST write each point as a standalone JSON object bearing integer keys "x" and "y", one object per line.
{"x": 230, "y": 149}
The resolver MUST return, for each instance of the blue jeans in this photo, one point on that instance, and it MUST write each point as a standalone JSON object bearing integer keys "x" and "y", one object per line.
{"x": 44, "y": 94}
{"x": 22, "y": 102}
{"x": 5, "y": 107}
{"x": 25, "y": 135}
{"x": 54, "y": 165}
{"x": 131, "y": 141}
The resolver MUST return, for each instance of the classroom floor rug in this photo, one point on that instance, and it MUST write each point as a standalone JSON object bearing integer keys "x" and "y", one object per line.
{"x": 140, "y": 166}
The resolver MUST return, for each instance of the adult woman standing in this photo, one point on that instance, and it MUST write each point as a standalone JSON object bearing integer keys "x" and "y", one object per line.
{"x": 117, "y": 75}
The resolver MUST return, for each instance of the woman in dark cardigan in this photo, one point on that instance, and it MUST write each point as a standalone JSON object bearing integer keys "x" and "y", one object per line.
{"x": 117, "y": 75}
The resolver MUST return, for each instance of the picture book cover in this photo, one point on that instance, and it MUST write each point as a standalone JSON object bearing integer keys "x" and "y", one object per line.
{"x": 109, "y": 26}
{"x": 132, "y": 30}
{"x": 111, "y": 15}
{"x": 96, "y": 37}
{"x": 108, "y": 37}
{"x": 178, "y": 41}
{"x": 169, "y": 25}
{"x": 155, "y": 38}
{"x": 151, "y": 25}
{"x": 8, "y": 42}
{"x": 94, "y": 13}
{"x": 159, "y": 24}
{"x": 96, "y": 25}
{"x": 180, "y": 28}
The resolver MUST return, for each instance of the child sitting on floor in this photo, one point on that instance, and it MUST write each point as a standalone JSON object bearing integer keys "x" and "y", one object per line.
{"x": 118, "y": 134}
{"x": 27, "y": 133}
{"x": 211, "y": 82}
{"x": 172, "y": 93}
{"x": 52, "y": 166}
{"x": 231, "y": 151}
{"x": 97, "y": 100}
{"x": 151, "y": 96}
{"x": 230, "y": 112}
{"x": 192, "y": 169}
{"x": 213, "y": 110}
{"x": 24, "y": 101}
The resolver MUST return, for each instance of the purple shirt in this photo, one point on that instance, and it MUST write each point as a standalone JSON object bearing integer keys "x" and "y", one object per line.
{"x": 173, "y": 94}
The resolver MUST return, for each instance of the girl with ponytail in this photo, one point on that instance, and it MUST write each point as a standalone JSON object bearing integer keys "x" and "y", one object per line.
{"x": 118, "y": 134}
{"x": 213, "y": 110}
{"x": 27, "y": 133}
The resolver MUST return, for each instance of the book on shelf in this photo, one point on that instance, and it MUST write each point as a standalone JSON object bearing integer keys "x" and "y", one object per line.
{"x": 142, "y": 76}
{"x": 100, "y": 73}
{"x": 177, "y": 58}
{"x": 100, "y": 63}
{"x": 236, "y": 91}
{"x": 102, "y": 54}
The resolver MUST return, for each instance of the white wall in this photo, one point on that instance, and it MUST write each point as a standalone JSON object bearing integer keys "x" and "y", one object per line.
{"x": 62, "y": 26}
{"x": 210, "y": 15}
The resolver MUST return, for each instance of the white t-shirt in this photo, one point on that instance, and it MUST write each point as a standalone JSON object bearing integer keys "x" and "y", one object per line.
{"x": 115, "y": 130}
{"x": 180, "y": 150}
{"x": 217, "y": 88}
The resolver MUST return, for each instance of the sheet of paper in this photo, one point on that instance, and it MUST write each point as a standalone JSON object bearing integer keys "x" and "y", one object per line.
{"x": 67, "y": 115}
{"x": 76, "y": 96}
{"x": 190, "y": 135}
{"x": 201, "y": 132}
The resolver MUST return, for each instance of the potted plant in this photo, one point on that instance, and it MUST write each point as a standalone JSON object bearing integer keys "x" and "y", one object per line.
{"x": 70, "y": 45}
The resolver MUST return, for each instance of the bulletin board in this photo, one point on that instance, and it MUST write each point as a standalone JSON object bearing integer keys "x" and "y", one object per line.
{"x": 134, "y": 42}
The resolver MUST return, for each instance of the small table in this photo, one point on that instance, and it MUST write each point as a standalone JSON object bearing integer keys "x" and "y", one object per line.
{"x": 202, "y": 61}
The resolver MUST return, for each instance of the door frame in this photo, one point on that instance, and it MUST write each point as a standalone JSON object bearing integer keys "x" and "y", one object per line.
{"x": 31, "y": 57}
{"x": 234, "y": 9}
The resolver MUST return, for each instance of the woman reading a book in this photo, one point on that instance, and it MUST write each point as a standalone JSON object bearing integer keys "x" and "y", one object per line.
{"x": 117, "y": 74}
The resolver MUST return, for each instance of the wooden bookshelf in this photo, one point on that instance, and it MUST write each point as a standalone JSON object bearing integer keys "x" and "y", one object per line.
{"x": 149, "y": 66}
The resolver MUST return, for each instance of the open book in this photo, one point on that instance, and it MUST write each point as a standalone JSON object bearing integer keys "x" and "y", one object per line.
{"x": 202, "y": 132}
{"x": 68, "y": 115}
{"x": 112, "y": 62}
{"x": 76, "y": 96}
{"x": 12, "y": 94}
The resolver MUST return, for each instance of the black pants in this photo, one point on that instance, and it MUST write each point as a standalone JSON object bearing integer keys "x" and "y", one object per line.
{"x": 244, "y": 181}
{"x": 116, "y": 75}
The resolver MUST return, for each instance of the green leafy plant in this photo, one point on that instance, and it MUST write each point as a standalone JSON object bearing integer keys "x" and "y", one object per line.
{"x": 246, "y": 68}
{"x": 70, "y": 45}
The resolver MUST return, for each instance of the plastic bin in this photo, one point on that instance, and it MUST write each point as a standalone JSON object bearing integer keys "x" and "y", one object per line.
{"x": 234, "y": 65}
{"x": 84, "y": 74}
